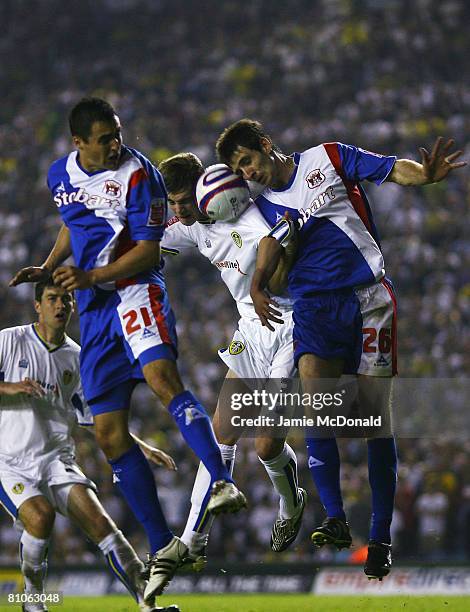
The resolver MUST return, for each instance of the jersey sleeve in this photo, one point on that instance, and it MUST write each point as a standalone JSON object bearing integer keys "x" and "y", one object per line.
{"x": 82, "y": 410}
{"x": 283, "y": 231}
{"x": 176, "y": 239}
{"x": 3, "y": 353}
{"x": 357, "y": 164}
{"x": 146, "y": 204}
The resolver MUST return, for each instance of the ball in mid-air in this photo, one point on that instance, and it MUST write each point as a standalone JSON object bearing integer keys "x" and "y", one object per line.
{"x": 221, "y": 194}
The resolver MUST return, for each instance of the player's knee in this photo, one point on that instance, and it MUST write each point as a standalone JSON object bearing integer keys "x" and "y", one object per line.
{"x": 224, "y": 438}
{"x": 40, "y": 522}
{"x": 163, "y": 378}
{"x": 113, "y": 441}
{"x": 100, "y": 527}
{"x": 268, "y": 448}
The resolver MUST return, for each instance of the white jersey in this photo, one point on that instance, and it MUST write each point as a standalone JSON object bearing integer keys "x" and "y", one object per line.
{"x": 231, "y": 246}
{"x": 35, "y": 431}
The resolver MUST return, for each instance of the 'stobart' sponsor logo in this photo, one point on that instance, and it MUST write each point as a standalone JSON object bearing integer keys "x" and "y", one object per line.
{"x": 83, "y": 197}
{"x": 231, "y": 265}
{"x": 321, "y": 200}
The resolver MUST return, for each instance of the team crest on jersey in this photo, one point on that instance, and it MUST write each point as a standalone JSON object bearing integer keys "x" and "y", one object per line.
{"x": 315, "y": 178}
{"x": 23, "y": 363}
{"x": 67, "y": 377}
{"x": 237, "y": 239}
{"x": 113, "y": 188}
{"x": 157, "y": 212}
{"x": 208, "y": 243}
{"x": 18, "y": 488}
{"x": 236, "y": 347}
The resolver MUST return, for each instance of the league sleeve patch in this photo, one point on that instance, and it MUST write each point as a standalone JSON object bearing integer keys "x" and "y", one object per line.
{"x": 157, "y": 213}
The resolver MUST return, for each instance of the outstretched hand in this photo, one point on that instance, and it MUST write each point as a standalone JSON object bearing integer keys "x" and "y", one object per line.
{"x": 159, "y": 457}
{"x": 31, "y": 274}
{"x": 440, "y": 162}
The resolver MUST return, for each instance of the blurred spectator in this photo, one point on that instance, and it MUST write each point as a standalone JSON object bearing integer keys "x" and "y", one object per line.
{"x": 387, "y": 76}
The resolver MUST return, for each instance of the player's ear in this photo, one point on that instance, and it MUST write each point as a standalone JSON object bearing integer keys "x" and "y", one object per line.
{"x": 37, "y": 306}
{"x": 266, "y": 145}
{"x": 77, "y": 141}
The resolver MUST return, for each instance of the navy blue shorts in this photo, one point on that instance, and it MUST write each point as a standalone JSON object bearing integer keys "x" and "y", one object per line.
{"x": 329, "y": 325}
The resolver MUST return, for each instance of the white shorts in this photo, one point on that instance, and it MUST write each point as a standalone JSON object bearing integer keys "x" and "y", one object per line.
{"x": 58, "y": 477}
{"x": 379, "y": 330}
{"x": 257, "y": 352}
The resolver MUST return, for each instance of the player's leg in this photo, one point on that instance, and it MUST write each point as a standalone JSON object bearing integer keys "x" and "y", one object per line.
{"x": 81, "y": 504}
{"x": 323, "y": 456}
{"x": 376, "y": 369}
{"x": 194, "y": 423}
{"x": 277, "y": 457}
{"x": 199, "y": 523}
{"x": 37, "y": 517}
{"x": 280, "y": 463}
{"x": 375, "y": 394}
{"x": 155, "y": 349}
{"x": 131, "y": 470}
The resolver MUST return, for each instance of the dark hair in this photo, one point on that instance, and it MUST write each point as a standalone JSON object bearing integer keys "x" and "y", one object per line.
{"x": 39, "y": 288}
{"x": 245, "y": 133}
{"x": 181, "y": 172}
{"x": 84, "y": 114}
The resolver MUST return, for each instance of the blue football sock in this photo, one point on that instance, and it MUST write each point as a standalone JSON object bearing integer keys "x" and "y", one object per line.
{"x": 133, "y": 476}
{"x": 196, "y": 429}
{"x": 382, "y": 459}
{"x": 324, "y": 465}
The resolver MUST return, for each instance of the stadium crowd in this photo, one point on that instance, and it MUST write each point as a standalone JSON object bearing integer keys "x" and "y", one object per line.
{"x": 388, "y": 77}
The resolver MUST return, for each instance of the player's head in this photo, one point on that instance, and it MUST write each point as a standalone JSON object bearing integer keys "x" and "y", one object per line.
{"x": 249, "y": 151}
{"x": 181, "y": 173}
{"x": 96, "y": 132}
{"x": 53, "y": 304}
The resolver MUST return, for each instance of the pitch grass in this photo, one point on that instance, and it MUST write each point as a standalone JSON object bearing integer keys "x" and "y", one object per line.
{"x": 268, "y": 603}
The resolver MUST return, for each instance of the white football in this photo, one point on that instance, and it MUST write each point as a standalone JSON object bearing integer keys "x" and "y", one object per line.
{"x": 221, "y": 194}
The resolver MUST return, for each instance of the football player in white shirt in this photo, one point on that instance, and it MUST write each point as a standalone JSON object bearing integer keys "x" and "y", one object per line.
{"x": 254, "y": 352}
{"x": 40, "y": 401}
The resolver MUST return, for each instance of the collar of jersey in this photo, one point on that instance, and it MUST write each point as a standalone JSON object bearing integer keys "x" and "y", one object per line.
{"x": 296, "y": 157}
{"x": 44, "y": 343}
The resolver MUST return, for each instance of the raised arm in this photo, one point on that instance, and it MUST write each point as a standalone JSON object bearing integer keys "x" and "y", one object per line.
{"x": 434, "y": 166}
{"x": 143, "y": 256}
{"x": 59, "y": 253}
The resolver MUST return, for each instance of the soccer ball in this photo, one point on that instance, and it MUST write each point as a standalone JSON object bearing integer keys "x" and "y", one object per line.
{"x": 221, "y": 194}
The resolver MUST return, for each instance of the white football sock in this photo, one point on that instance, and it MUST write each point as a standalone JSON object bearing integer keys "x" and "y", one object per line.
{"x": 282, "y": 470}
{"x": 33, "y": 557}
{"x": 124, "y": 563}
{"x": 199, "y": 523}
